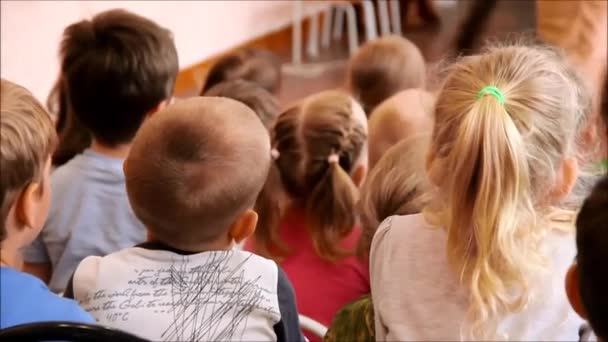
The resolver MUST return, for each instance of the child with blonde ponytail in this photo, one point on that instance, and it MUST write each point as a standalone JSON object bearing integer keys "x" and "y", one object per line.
{"x": 485, "y": 259}
{"x": 307, "y": 207}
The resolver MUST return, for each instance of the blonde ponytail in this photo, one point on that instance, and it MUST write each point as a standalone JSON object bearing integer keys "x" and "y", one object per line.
{"x": 497, "y": 154}
{"x": 489, "y": 198}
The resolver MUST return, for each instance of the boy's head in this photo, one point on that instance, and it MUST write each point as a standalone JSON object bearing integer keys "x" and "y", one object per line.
{"x": 383, "y": 67}
{"x": 587, "y": 279}
{"x": 27, "y": 140}
{"x": 194, "y": 172}
{"x": 404, "y": 115}
{"x": 255, "y": 65}
{"x": 118, "y": 68}
{"x": 263, "y": 103}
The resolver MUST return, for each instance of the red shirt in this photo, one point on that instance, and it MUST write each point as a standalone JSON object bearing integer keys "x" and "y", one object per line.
{"x": 321, "y": 287}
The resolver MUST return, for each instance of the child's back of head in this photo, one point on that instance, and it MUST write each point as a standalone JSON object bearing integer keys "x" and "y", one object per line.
{"x": 587, "y": 281}
{"x": 28, "y": 140}
{"x": 118, "y": 67}
{"x": 194, "y": 168}
{"x": 382, "y": 68}
{"x": 319, "y": 151}
{"x": 250, "y": 64}
{"x": 403, "y": 115}
{"x": 503, "y": 151}
{"x": 263, "y": 103}
{"x": 396, "y": 185}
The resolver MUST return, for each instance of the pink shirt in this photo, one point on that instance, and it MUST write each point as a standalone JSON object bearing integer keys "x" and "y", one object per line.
{"x": 321, "y": 287}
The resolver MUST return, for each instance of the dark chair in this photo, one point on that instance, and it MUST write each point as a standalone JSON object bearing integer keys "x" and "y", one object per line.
{"x": 65, "y": 331}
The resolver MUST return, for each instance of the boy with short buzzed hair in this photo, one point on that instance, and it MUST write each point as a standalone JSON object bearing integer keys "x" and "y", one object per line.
{"x": 27, "y": 141}
{"x": 383, "y": 67}
{"x": 404, "y": 115}
{"x": 117, "y": 69}
{"x": 192, "y": 176}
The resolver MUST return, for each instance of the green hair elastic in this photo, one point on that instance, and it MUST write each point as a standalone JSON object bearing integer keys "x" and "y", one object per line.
{"x": 492, "y": 90}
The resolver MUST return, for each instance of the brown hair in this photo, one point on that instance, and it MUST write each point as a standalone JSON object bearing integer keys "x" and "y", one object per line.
{"x": 397, "y": 185}
{"x": 117, "y": 68}
{"x": 408, "y": 113}
{"x": 194, "y": 167}
{"x": 497, "y": 159}
{"x": 74, "y": 137}
{"x": 250, "y": 64}
{"x": 27, "y": 141}
{"x": 383, "y": 67}
{"x": 304, "y": 137}
{"x": 263, "y": 103}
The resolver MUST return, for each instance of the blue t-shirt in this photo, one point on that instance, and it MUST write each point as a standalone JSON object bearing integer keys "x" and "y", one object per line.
{"x": 25, "y": 299}
{"x": 90, "y": 214}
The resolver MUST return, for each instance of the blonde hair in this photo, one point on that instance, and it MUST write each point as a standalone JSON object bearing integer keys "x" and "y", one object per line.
{"x": 383, "y": 67}
{"x": 304, "y": 137}
{"x": 500, "y": 162}
{"x": 397, "y": 185}
{"x": 195, "y": 167}
{"x": 28, "y": 139}
{"x": 403, "y": 115}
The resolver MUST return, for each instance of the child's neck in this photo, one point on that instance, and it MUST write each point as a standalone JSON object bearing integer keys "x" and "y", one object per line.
{"x": 219, "y": 244}
{"x": 119, "y": 151}
{"x": 9, "y": 257}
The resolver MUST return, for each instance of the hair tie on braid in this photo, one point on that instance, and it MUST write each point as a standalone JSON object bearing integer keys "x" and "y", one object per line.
{"x": 275, "y": 154}
{"x": 333, "y": 158}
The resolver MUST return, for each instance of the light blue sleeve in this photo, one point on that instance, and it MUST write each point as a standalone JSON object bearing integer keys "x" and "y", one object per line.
{"x": 36, "y": 252}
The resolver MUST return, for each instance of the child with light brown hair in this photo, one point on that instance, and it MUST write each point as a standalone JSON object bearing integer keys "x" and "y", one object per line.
{"x": 487, "y": 258}
{"x": 382, "y": 68}
{"x": 307, "y": 208}
{"x": 192, "y": 177}
{"x": 255, "y": 65}
{"x": 397, "y": 185}
{"x": 263, "y": 103}
{"x": 27, "y": 141}
{"x": 407, "y": 114}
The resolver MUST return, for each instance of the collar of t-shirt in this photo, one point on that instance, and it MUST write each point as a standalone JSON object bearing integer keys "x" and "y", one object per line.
{"x": 160, "y": 246}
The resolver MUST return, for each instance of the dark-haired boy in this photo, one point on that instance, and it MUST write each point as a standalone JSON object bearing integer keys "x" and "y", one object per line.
{"x": 118, "y": 69}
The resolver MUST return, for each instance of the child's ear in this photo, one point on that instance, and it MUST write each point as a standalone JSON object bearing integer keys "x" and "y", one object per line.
{"x": 244, "y": 226}
{"x": 566, "y": 178}
{"x": 573, "y": 291}
{"x": 160, "y": 106}
{"x": 29, "y": 207}
{"x": 359, "y": 175}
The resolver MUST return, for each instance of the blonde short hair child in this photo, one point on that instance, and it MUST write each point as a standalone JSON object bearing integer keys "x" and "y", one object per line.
{"x": 383, "y": 67}
{"x": 403, "y": 115}
{"x": 503, "y": 150}
{"x": 28, "y": 139}
{"x": 195, "y": 167}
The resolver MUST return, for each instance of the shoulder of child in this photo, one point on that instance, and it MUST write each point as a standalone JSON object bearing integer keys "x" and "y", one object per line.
{"x": 69, "y": 310}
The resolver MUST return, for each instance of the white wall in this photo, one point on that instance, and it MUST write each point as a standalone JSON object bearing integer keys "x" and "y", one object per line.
{"x": 31, "y": 30}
